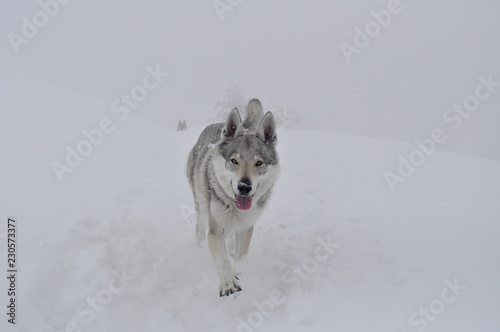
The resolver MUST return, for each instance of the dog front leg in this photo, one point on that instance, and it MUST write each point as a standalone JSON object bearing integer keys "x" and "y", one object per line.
{"x": 217, "y": 244}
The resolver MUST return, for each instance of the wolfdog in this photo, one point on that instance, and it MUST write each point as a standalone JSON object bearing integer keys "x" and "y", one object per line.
{"x": 232, "y": 170}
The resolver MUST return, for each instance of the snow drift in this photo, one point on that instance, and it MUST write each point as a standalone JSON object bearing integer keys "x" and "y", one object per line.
{"x": 112, "y": 246}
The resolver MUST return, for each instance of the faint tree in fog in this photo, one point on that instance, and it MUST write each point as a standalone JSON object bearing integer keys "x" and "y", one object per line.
{"x": 234, "y": 96}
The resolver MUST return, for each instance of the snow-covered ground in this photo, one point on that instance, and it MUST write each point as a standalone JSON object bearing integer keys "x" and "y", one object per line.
{"x": 112, "y": 246}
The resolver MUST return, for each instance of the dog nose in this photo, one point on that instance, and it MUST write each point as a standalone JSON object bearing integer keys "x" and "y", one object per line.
{"x": 244, "y": 187}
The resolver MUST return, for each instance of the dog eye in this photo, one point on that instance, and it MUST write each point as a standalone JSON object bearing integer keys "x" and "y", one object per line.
{"x": 259, "y": 163}
{"x": 234, "y": 161}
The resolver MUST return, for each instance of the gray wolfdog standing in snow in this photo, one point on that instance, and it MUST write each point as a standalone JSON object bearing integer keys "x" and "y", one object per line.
{"x": 232, "y": 170}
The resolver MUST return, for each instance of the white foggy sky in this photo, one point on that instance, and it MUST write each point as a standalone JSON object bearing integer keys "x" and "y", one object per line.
{"x": 287, "y": 54}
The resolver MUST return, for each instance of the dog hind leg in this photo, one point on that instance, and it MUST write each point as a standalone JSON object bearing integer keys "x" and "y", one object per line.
{"x": 243, "y": 243}
{"x": 201, "y": 222}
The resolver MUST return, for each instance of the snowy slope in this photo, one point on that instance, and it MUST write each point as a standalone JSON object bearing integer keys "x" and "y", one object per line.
{"x": 112, "y": 247}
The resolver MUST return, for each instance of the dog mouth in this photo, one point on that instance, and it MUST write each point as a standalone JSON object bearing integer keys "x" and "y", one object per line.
{"x": 243, "y": 202}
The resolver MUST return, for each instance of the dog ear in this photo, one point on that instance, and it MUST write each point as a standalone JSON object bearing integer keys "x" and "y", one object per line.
{"x": 232, "y": 128}
{"x": 267, "y": 129}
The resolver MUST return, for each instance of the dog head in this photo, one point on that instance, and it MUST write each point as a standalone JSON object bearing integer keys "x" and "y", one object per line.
{"x": 249, "y": 157}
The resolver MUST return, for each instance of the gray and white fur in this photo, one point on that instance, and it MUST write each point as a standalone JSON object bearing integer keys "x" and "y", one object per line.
{"x": 232, "y": 170}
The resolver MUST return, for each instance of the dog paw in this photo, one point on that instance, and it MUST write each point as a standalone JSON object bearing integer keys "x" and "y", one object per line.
{"x": 229, "y": 287}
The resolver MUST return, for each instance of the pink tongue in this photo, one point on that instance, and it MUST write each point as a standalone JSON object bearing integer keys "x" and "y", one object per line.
{"x": 243, "y": 203}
